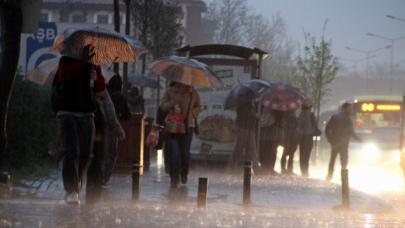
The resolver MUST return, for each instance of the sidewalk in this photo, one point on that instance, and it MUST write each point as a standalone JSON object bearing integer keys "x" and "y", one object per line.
{"x": 276, "y": 201}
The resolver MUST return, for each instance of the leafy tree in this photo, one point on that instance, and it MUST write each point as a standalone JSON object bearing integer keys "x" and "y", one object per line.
{"x": 10, "y": 34}
{"x": 157, "y": 23}
{"x": 317, "y": 68}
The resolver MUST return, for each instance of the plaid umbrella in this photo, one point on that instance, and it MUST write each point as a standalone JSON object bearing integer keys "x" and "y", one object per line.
{"x": 109, "y": 46}
{"x": 186, "y": 71}
{"x": 282, "y": 97}
{"x": 238, "y": 92}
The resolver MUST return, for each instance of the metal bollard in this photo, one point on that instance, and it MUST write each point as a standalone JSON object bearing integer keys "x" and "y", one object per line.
{"x": 202, "y": 192}
{"x": 345, "y": 188}
{"x": 135, "y": 181}
{"x": 247, "y": 179}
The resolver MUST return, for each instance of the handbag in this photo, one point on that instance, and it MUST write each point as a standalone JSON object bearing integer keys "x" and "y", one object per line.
{"x": 175, "y": 123}
{"x": 153, "y": 136}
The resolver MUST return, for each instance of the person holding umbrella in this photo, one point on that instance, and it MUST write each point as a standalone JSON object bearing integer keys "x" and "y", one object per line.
{"x": 279, "y": 98}
{"x": 246, "y": 121}
{"x": 76, "y": 84}
{"x": 182, "y": 104}
{"x": 182, "y": 101}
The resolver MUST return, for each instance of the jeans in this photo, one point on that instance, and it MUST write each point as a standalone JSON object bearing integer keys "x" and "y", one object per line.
{"x": 177, "y": 149}
{"x": 306, "y": 143}
{"x": 77, "y": 135}
{"x": 342, "y": 151}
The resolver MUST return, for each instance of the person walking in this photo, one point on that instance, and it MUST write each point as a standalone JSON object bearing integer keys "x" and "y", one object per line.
{"x": 307, "y": 129}
{"x": 246, "y": 123}
{"x": 182, "y": 103}
{"x": 271, "y": 137}
{"x": 290, "y": 142}
{"x": 122, "y": 113}
{"x": 339, "y": 130}
{"x": 73, "y": 99}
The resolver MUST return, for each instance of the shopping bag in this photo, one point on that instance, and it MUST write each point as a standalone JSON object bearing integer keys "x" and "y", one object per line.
{"x": 175, "y": 123}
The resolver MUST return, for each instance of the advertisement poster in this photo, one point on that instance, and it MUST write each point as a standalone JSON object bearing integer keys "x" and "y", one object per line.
{"x": 216, "y": 125}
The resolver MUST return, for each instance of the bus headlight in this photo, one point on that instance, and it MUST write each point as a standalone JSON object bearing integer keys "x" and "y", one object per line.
{"x": 371, "y": 152}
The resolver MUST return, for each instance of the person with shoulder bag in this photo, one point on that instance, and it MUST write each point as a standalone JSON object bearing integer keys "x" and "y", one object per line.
{"x": 182, "y": 104}
{"x": 307, "y": 129}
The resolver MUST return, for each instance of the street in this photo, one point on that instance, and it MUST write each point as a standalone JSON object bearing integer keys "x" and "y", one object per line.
{"x": 281, "y": 201}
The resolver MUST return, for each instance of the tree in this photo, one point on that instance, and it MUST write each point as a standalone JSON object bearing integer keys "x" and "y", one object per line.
{"x": 10, "y": 34}
{"x": 157, "y": 23}
{"x": 317, "y": 69}
{"x": 229, "y": 19}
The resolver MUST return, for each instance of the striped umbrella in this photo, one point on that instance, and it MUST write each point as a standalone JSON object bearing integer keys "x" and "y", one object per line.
{"x": 282, "y": 97}
{"x": 108, "y": 46}
{"x": 187, "y": 71}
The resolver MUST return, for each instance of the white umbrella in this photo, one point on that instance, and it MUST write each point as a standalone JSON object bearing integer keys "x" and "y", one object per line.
{"x": 45, "y": 72}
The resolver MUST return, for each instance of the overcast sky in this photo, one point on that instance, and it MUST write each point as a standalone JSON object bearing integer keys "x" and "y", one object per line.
{"x": 349, "y": 21}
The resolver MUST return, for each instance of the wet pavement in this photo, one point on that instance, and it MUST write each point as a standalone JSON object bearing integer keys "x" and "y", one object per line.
{"x": 281, "y": 201}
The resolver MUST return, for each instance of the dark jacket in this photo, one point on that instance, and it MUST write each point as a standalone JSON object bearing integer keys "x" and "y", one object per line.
{"x": 72, "y": 89}
{"x": 120, "y": 102}
{"x": 339, "y": 129}
{"x": 290, "y": 128}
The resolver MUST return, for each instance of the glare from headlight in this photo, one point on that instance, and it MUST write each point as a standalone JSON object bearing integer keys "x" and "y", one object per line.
{"x": 370, "y": 152}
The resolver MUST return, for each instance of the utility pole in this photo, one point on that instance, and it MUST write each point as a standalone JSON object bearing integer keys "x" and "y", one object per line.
{"x": 144, "y": 36}
{"x": 127, "y": 32}
{"x": 116, "y": 28}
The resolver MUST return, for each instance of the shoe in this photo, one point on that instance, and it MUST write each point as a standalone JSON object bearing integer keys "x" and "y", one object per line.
{"x": 184, "y": 179}
{"x": 328, "y": 178}
{"x": 72, "y": 198}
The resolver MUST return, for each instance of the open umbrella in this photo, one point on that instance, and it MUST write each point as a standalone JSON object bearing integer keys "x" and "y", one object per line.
{"x": 187, "y": 71}
{"x": 45, "y": 72}
{"x": 238, "y": 92}
{"x": 140, "y": 80}
{"x": 282, "y": 97}
{"x": 109, "y": 46}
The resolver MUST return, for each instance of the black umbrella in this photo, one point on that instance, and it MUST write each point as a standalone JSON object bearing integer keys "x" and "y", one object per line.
{"x": 240, "y": 93}
{"x": 140, "y": 80}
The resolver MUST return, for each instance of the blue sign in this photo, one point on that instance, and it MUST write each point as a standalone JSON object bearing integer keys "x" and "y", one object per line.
{"x": 38, "y": 45}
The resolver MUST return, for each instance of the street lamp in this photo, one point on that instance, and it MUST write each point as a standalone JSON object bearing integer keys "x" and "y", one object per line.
{"x": 368, "y": 57}
{"x": 392, "y": 40}
{"x": 395, "y": 18}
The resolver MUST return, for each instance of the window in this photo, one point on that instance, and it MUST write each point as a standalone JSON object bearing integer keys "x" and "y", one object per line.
{"x": 122, "y": 19}
{"x": 102, "y": 19}
{"x": 77, "y": 18}
{"x": 45, "y": 16}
